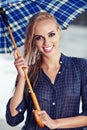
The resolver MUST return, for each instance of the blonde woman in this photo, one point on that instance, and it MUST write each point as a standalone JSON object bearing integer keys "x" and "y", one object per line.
{"x": 58, "y": 81}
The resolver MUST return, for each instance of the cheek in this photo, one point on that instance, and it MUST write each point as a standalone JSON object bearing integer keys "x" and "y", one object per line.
{"x": 38, "y": 45}
{"x": 56, "y": 40}
{"x": 56, "y": 43}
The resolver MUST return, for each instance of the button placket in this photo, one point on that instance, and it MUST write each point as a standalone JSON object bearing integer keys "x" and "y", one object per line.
{"x": 53, "y": 103}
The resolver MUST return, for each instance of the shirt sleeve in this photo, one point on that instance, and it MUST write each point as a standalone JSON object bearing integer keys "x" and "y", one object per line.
{"x": 15, "y": 120}
{"x": 84, "y": 89}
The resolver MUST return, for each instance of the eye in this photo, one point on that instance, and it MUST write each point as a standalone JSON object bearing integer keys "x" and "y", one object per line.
{"x": 37, "y": 38}
{"x": 52, "y": 34}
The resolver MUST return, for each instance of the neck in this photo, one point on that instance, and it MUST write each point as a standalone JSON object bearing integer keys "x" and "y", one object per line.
{"x": 51, "y": 62}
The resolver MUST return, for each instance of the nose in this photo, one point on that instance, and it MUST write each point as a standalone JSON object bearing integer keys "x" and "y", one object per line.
{"x": 46, "y": 41}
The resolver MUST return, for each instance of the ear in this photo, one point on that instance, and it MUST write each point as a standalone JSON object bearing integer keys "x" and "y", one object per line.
{"x": 59, "y": 30}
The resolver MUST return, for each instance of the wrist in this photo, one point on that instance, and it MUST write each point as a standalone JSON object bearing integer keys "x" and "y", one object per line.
{"x": 22, "y": 78}
{"x": 56, "y": 124}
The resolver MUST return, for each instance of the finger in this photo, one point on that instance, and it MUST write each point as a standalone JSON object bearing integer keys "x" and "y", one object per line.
{"x": 41, "y": 112}
{"x": 20, "y": 60}
{"x": 21, "y": 65}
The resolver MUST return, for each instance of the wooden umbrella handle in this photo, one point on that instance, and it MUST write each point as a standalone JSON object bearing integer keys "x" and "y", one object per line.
{"x": 37, "y": 118}
{"x": 33, "y": 96}
{"x": 35, "y": 101}
{"x": 39, "y": 122}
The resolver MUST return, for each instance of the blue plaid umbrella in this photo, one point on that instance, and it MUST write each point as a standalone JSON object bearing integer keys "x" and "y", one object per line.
{"x": 19, "y": 11}
{"x": 5, "y": 3}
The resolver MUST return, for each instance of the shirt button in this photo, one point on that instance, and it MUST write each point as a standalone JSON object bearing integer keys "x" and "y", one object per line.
{"x": 61, "y": 62}
{"x": 20, "y": 110}
{"x": 53, "y": 103}
{"x": 59, "y": 72}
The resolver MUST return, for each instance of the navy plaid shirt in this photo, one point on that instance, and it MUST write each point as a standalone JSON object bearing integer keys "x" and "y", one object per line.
{"x": 61, "y": 99}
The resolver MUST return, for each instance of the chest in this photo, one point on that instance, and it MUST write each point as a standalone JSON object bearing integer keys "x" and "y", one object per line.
{"x": 52, "y": 73}
{"x": 67, "y": 84}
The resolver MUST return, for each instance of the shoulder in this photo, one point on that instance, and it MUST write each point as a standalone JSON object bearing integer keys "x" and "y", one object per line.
{"x": 80, "y": 62}
{"x": 75, "y": 62}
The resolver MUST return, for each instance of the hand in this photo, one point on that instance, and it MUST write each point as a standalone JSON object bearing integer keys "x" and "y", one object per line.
{"x": 20, "y": 64}
{"x": 47, "y": 120}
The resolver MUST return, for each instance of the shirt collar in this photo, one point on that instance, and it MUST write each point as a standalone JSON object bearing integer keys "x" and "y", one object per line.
{"x": 64, "y": 60}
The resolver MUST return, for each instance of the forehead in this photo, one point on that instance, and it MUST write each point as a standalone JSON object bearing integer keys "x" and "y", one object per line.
{"x": 45, "y": 25}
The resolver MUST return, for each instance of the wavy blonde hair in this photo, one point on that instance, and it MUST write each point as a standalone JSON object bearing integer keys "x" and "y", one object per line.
{"x": 31, "y": 53}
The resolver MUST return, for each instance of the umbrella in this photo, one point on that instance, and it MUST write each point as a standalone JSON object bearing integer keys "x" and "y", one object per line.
{"x": 5, "y": 3}
{"x": 20, "y": 11}
{"x": 18, "y": 14}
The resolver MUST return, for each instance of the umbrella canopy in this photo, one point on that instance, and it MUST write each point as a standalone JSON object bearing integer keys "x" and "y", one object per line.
{"x": 5, "y": 3}
{"x": 19, "y": 12}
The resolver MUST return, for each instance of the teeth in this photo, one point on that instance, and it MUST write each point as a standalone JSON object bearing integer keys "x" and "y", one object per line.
{"x": 48, "y": 48}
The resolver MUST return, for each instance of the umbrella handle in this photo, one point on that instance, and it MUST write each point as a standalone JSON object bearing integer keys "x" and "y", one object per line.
{"x": 33, "y": 96}
{"x": 34, "y": 99}
{"x": 39, "y": 122}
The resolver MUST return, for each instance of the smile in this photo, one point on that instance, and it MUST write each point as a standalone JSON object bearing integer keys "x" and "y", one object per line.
{"x": 48, "y": 48}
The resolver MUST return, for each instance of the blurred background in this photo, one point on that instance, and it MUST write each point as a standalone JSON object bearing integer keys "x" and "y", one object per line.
{"x": 73, "y": 43}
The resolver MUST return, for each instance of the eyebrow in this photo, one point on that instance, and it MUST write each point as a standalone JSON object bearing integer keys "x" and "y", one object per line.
{"x": 37, "y": 35}
{"x": 51, "y": 32}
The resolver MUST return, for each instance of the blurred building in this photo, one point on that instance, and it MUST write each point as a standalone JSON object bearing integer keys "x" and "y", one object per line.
{"x": 81, "y": 20}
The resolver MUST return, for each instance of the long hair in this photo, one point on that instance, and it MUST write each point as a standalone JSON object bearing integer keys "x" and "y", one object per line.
{"x": 31, "y": 53}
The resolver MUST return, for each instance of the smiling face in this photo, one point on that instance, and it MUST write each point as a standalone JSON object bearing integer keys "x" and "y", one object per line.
{"x": 46, "y": 37}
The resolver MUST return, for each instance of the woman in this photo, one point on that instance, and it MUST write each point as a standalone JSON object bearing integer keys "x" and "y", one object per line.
{"x": 58, "y": 81}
